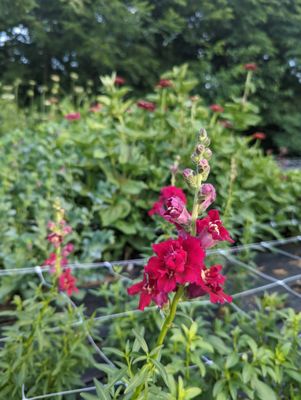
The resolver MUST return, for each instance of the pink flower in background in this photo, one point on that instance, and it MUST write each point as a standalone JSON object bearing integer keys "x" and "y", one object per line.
{"x": 119, "y": 81}
{"x": 55, "y": 238}
{"x": 217, "y": 108}
{"x": 67, "y": 282}
{"x": 250, "y": 67}
{"x": 69, "y": 248}
{"x": 164, "y": 83}
{"x": 259, "y": 136}
{"x": 210, "y": 230}
{"x": 95, "y": 108}
{"x": 72, "y": 116}
{"x": 146, "y": 105}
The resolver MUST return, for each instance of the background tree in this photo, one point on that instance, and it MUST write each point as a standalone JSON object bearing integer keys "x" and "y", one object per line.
{"x": 142, "y": 38}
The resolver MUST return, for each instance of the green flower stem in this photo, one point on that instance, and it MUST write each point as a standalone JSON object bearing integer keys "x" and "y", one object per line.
{"x": 247, "y": 87}
{"x": 171, "y": 316}
{"x": 195, "y": 208}
{"x": 164, "y": 330}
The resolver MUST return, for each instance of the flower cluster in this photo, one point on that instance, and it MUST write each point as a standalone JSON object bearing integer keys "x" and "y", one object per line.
{"x": 75, "y": 116}
{"x": 58, "y": 259}
{"x": 146, "y": 105}
{"x": 181, "y": 261}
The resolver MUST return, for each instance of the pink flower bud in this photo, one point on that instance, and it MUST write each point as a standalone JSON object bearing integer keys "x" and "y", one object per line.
{"x": 176, "y": 211}
{"x": 188, "y": 173}
{"x": 207, "y": 195}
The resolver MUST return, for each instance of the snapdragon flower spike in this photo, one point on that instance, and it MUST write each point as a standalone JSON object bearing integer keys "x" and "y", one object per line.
{"x": 67, "y": 282}
{"x": 176, "y": 262}
{"x": 211, "y": 283}
{"x": 51, "y": 260}
{"x": 159, "y": 207}
{"x": 146, "y": 105}
{"x": 72, "y": 116}
{"x": 149, "y": 292}
{"x": 210, "y": 230}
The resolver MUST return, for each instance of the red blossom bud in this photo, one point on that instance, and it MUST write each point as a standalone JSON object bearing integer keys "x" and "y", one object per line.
{"x": 217, "y": 108}
{"x": 207, "y": 195}
{"x": 119, "y": 81}
{"x": 164, "y": 83}
{"x": 72, "y": 116}
{"x": 250, "y": 67}
{"x": 146, "y": 105}
{"x": 259, "y": 135}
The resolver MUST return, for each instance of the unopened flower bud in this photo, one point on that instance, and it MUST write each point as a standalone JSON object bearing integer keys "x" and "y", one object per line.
{"x": 200, "y": 149}
{"x": 204, "y": 168}
{"x": 189, "y": 177}
{"x": 208, "y": 154}
{"x": 202, "y": 135}
{"x": 207, "y": 195}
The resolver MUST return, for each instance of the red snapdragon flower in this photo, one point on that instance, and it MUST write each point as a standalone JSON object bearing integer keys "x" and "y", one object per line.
{"x": 166, "y": 192}
{"x": 55, "y": 239}
{"x": 210, "y": 230}
{"x": 148, "y": 291}
{"x": 250, "y": 67}
{"x": 51, "y": 260}
{"x": 67, "y": 282}
{"x": 119, "y": 81}
{"x": 67, "y": 249}
{"x": 259, "y": 135}
{"x": 164, "y": 83}
{"x": 176, "y": 262}
{"x": 95, "y": 108}
{"x": 226, "y": 124}
{"x": 217, "y": 108}
{"x": 146, "y": 105}
{"x": 212, "y": 283}
{"x": 72, "y": 116}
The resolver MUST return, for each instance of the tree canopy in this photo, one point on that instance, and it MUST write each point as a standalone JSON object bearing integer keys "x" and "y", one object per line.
{"x": 142, "y": 38}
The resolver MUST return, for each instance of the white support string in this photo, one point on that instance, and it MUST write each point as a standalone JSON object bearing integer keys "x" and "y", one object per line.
{"x": 263, "y": 275}
{"x": 141, "y": 261}
{"x": 225, "y": 253}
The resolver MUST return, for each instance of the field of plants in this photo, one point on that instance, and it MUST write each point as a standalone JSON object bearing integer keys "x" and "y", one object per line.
{"x": 150, "y": 200}
{"x": 158, "y": 181}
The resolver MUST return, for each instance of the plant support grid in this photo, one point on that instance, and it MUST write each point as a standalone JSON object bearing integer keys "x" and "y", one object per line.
{"x": 271, "y": 246}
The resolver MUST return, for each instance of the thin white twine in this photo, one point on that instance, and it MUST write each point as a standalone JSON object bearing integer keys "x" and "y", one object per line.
{"x": 141, "y": 261}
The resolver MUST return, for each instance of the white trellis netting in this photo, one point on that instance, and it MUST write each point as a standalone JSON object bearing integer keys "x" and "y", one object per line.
{"x": 228, "y": 254}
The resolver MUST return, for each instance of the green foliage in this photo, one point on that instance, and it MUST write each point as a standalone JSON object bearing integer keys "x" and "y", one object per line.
{"x": 43, "y": 350}
{"x": 98, "y": 167}
{"x": 208, "y": 355}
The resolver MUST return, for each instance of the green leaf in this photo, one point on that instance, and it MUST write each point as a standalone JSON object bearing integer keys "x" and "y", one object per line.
{"x": 161, "y": 370}
{"x": 218, "y": 387}
{"x": 231, "y": 360}
{"x": 264, "y": 391}
{"x": 141, "y": 341}
{"x": 101, "y": 391}
{"x": 247, "y": 373}
{"x": 294, "y": 374}
{"x": 139, "y": 378}
{"x": 191, "y": 393}
{"x": 218, "y": 344}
